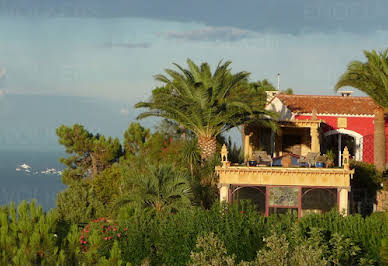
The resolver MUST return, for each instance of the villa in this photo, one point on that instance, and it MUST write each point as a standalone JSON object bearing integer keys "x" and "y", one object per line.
{"x": 309, "y": 126}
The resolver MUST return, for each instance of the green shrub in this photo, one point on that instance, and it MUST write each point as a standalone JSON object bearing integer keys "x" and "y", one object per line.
{"x": 366, "y": 233}
{"x": 169, "y": 239}
{"x": 71, "y": 246}
{"x": 384, "y": 250}
{"x": 298, "y": 250}
{"x": 343, "y": 251}
{"x": 140, "y": 228}
{"x": 27, "y": 236}
{"x": 237, "y": 233}
{"x": 276, "y": 251}
{"x": 114, "y": 258}
{"x": 365, "y": 177}
{"x": 78, "y": 204}
{"x": 210, "y": 250}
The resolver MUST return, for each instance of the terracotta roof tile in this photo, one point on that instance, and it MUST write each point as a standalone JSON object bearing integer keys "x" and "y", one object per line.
{"x": 329, "y": 104}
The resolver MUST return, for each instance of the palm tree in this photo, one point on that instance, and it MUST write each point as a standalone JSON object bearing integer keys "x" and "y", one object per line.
{"x": 158, "y": 188}
{"x": 190, "y": 154}
{"x": 205, "y": 103}
{"x": 371, "y": 77}
{"x": 263, "y": 85}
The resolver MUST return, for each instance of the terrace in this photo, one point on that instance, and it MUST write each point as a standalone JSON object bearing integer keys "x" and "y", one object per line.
{"x": 279, "y": 189}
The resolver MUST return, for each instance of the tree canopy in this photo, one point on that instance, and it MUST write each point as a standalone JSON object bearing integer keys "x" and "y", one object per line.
{"x": 206, "y": 103}
{"x": 370, "y": 77}
{"x": 89, "y": 154}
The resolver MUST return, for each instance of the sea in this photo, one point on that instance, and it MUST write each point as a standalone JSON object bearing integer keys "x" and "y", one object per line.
{"x": 28, "y": 175}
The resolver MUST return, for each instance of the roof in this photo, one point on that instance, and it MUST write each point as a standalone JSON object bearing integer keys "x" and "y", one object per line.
{"x": 351, "y": 105}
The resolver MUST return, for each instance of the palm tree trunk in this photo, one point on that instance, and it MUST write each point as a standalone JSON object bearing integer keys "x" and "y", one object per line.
{"x": 184, "y": 133}
{"x": 94, "y": 165}
{"x": 379, "y": 140}
{"x": 207, "y": 146}
{"x": 191, "y": 169}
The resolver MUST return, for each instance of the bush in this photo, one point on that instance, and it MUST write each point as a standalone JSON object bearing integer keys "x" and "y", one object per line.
{"x": 365, "y": 177}
{"x": 210, "y": 250}
{"x": 99, "y": 241}
{"x": 109, "y": 185}
{"x": 366, "y": 233}
{"x": 27, "y": 236}
{"x": 384, "y": 250}
{"x": 169, "y": 239}
{"x": 224, "y": 234}
{"x": 78, "y": 204}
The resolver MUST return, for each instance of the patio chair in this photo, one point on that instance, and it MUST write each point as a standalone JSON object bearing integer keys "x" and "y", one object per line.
{"x": 310, "y": 158}
{"x": 264, "y": 158}
{"x": 255, "y": 156}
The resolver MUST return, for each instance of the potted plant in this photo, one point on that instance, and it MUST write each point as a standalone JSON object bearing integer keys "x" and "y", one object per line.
{"x": 287, "y": 161}
{"x": 320, "y": 161}
{"x": 330, "y": 156}
{"x": 252, "y": 161}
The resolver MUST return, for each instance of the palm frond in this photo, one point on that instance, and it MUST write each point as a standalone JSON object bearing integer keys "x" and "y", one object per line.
{"x": 207, "y": 104}
{"x": 370, "y": 77}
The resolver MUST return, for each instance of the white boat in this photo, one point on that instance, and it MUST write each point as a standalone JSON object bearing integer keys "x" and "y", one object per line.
{"x": 25, "y": 166}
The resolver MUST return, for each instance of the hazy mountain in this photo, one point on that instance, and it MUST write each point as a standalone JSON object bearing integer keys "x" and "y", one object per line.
{"x": 28, "y": 122}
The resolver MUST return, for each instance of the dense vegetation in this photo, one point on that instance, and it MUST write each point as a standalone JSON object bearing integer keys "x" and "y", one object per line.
{"x": 152, "y": 199}
{"x": 222, "y": 235}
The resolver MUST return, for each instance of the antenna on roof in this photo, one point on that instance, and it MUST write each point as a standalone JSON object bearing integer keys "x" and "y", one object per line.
{"x": 278, "y": 81}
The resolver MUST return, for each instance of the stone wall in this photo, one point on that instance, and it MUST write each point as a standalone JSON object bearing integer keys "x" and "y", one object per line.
{"x": 382, "y": 201}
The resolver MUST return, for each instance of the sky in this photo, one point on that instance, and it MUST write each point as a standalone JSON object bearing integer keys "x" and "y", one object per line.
{"x": 110, "y": 50}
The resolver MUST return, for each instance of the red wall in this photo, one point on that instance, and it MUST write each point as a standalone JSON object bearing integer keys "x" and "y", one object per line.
{"x": 361, "y": 125}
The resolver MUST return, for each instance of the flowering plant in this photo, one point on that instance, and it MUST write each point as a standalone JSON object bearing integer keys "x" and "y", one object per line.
{"x": 98, "y": 236}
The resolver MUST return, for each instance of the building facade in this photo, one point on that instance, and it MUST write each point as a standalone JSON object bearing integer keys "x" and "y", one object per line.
{"x": 346, "y": 121}
{"x": 307, "y": 124}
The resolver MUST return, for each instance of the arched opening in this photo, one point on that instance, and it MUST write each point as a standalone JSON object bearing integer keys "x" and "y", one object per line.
{"x": 255, "y": 195}
{"x": 318, "y": 200}
{"x": 336, "y": 140}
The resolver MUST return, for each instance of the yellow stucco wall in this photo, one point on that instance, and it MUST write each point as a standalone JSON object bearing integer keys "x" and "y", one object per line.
{"x": 324, "y": 177}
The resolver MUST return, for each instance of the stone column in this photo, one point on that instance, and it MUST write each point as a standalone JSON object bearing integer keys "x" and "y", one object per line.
{"x": 359, "y": 147}
{"x": 343, "y": 201}
{"x": 346, "y": 159}
{"x": 278, "y": 142}
{"x": 247, "y": 147}
{"x": 224, "y": 156}
{"x": 243, "y": 136}
{"x": 315, "y": 145}
{"x": 382, "y": 201}
{"x": 224, "y": 192}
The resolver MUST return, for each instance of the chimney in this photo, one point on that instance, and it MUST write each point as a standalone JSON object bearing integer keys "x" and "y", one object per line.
{"x": 271, "y": 95}
{"x": 346, "y": 93}
{"x": 278, "y": 81}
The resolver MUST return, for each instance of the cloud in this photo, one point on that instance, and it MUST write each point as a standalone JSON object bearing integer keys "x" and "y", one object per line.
{"x": 1, "y": 93}
{"x": 209, "y": 34}
{"x": 279, "y": 16}
{"x": 126, "y": 45}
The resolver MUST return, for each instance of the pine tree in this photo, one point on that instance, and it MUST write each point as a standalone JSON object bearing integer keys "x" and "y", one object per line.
{"x": 89, "y": 154}
{"x": 27, "y": 236}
